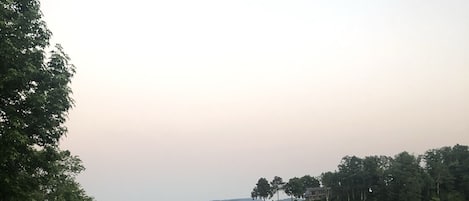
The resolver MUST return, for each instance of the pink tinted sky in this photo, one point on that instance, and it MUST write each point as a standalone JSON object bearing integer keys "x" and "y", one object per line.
{"x": 186, "y": 100}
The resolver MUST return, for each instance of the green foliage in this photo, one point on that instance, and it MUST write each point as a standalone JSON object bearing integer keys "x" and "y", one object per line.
{"x": 309, "y": 182}
{"x": 263, "y": 189}
{"x": 254, "y": 193}
{"x": 438, "y": 175}
{"x": 295, "y": 187}
{"x": 448, "y": 169}
{"x": 276, "y": 185}
{"x": 34, "y": 101}
{"x": 406, "y": 178}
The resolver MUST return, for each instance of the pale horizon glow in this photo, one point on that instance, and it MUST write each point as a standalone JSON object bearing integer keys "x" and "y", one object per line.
{"x": 195, "y": 100}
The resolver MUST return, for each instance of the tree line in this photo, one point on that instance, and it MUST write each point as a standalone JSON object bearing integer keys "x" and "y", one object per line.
{"x": 437, "y": 175}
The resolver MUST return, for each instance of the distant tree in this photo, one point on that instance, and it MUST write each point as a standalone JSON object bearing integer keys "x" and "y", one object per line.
{"x": 254, "y": 193}
{"x": 263, "y": 188}
{"x": 374, "y": 178}
{"x": 277, "y": 184}
{"x": 448, "y": 168}
{"x": 294, "y": 187}
{"x": 288, "y": 189}
{"x": 438, "y": 175}
{"x": 406, "y": 182}
{"x": 438, "y": 170}
{"x": 458, "y": 164}
{"x": 351, "y": 172}
{"x": 34, "y": 101}
{"x": 332, "y": 180}
{"x": 309, "y": 182}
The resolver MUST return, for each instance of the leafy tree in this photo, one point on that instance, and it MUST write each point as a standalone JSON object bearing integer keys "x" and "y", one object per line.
{"x": 458, "y": 164}
{"x": 309, "y": 182}
{"x": 351, "y": 170}
{"x": 294, "y": 187}
{"x": 288, "y": 189}
{"x": 442, "y": 175}
{"x": 374, "y": 177}
{"x": 332, "y": 180}
{"x": 263, "y": 188}
{"x": 64, "y": 186}
{"x": 254, "y": 193}
{"x": 448, "y": 169}
{"x": 406, "y": 178}
{"x": 34, "y": 100}
{"x": 277, "y": 184}
{"x": 438, "y": 170}
{"x": 358, "y": 179}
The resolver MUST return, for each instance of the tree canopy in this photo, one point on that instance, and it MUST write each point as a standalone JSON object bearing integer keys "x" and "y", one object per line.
{"x": 262, "y": 190}
{"x": 276, "y": 185}
{"x": 34, "y": 101}
{"x": 437, "y": 175}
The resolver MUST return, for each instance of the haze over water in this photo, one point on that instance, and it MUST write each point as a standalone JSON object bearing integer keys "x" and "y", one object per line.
{"x": 195, "y": 100}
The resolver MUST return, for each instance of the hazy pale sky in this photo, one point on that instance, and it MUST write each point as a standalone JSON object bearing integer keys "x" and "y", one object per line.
{"x": 195, "y": 100}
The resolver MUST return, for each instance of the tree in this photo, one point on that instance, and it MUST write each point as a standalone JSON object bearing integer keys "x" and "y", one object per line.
{"x": 277, "y": 184}
{"x": 438, "y": 175}
{"x": 309, "y": 182}
{"x": 406, "y": 178}
{"x": 351, "y": 171}
{"x": 254, "y": 193}
{"x": 294, "y": 187}
{"x": 448, "y": 169}
{"x": 64, "y": 186}
{"x": 34, "y": 101}
{"x": 263, "y": 188}
{"x": 332, "y": 180}
{"x": 438, "y": 170}
{"x": 459, "y": 168}
{"x": 374, "y": 177}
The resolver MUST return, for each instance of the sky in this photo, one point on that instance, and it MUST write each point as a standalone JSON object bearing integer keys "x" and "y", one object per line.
{"x": 196, "y": 100}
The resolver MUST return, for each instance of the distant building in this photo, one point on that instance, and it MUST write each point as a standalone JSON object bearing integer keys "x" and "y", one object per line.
{"x": 317, "y": 194}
